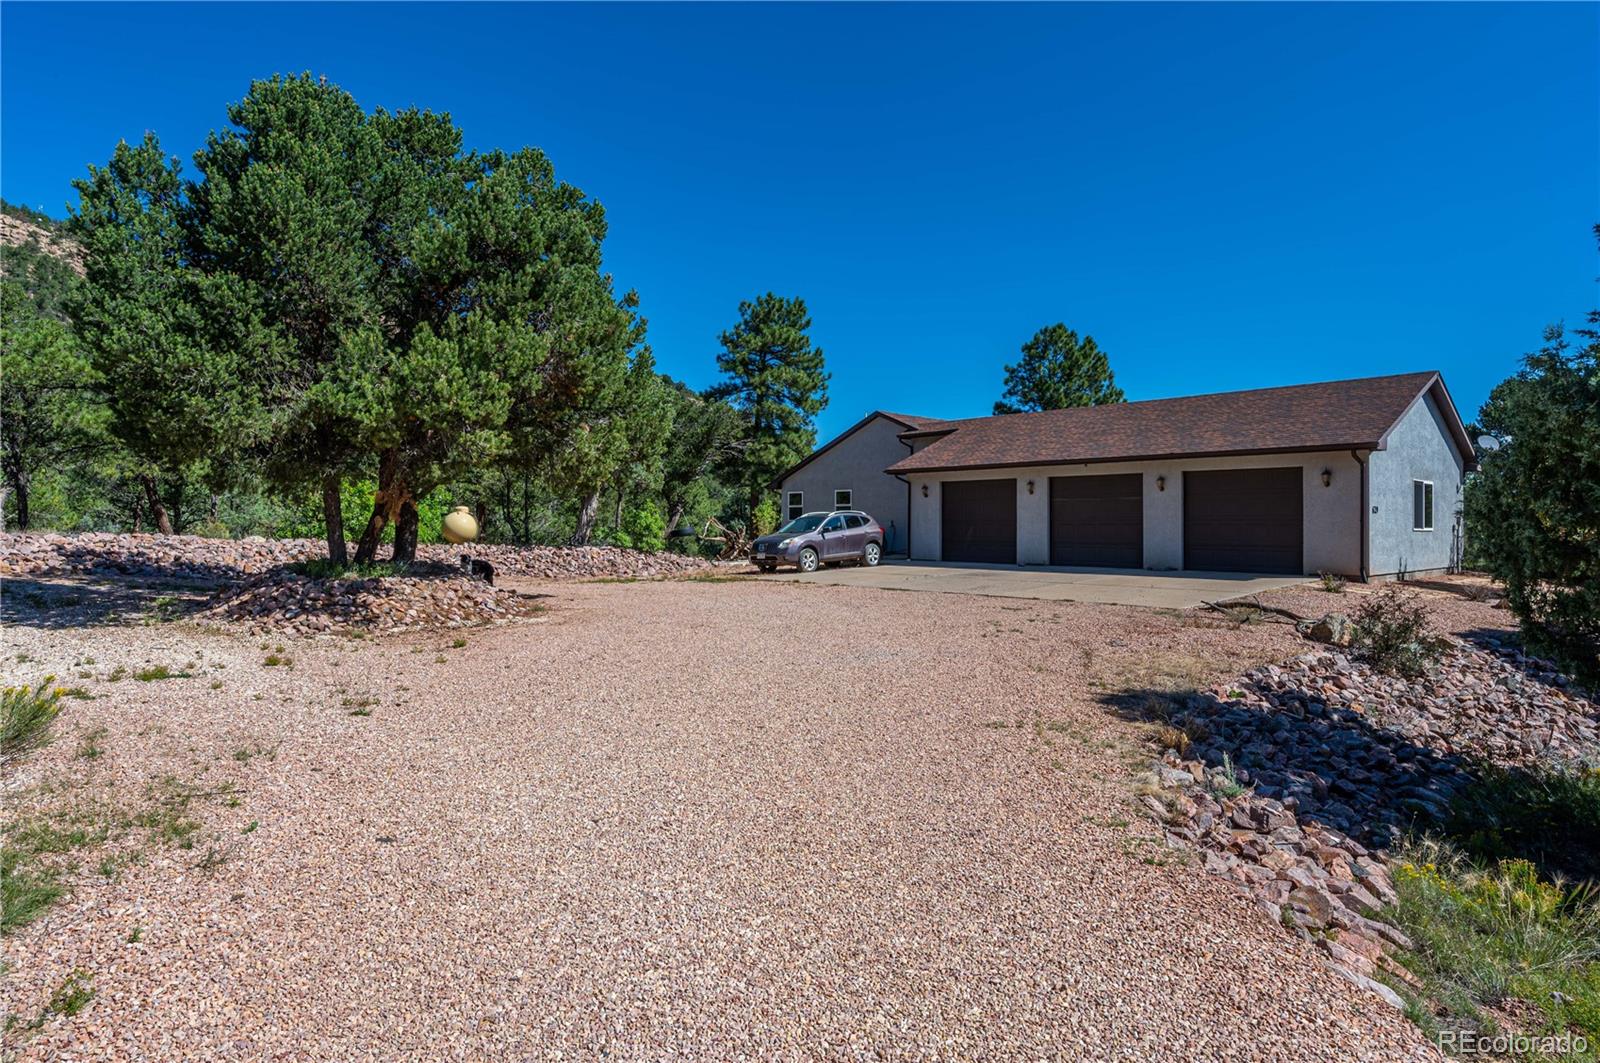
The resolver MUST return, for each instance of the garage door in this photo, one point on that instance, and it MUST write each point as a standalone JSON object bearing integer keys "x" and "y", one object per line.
{"x": 979, "y": 520}
{"x": 1243, "y": 520}
{"x": 1097, "y": 520}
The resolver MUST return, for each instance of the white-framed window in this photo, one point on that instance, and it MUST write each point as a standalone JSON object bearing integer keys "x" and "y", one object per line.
{"x": 841, "y": 500}
{"x": 1422, "y": 505}
{"x": 796, "y": 505}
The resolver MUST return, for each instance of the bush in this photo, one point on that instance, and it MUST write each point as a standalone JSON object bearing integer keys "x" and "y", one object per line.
{"x": 764, "y": 521}
{"x": 1485, "y": 935}
{"x": 643, "y": 528}
{"x": 1550, "y": 817}
{"x": 26, "y": 717}
{"x": 211, "y": 529}
{"x": 1391, "y": 630}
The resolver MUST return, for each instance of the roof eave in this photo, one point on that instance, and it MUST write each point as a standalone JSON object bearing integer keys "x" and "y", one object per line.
{"x": 899, "y": 468}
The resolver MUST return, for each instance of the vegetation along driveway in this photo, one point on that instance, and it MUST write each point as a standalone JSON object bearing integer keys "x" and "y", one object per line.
{"x": 1105, "y": 586}
{"x": 697, "y": 819}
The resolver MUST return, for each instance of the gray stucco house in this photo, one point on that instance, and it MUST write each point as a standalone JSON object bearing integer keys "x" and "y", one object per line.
{"x": 1358, "y": 477}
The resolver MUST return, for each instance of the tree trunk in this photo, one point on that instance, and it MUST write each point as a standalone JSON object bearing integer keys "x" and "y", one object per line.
{"x": 586, "y": 516}
{"x": 385, "y": 506}
{"x": 674, "y": 518}
{"x": 158, "y": 511}
{"x": 616, "y": 521}
{"x": 17, "y": 488}
{"x": 481, "y": 512}
{"x": 138, "y": 515}
{"x": 405, "y": 533}
{"x": 333, "y": 520}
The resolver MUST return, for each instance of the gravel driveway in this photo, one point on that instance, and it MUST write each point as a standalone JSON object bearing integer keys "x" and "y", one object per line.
{"x": 701, "y": 820}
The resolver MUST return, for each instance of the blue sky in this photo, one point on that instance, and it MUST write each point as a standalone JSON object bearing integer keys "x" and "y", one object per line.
{"x": 1224, "y": 196}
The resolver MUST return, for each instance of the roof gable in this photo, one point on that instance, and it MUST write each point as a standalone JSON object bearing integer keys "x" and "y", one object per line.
{"x": 905, "y": 421}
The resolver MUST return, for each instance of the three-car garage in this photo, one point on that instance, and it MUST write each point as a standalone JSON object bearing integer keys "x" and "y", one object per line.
{"x": 1213, "y": 518}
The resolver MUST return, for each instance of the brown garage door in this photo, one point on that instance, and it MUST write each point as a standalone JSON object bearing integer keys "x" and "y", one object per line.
{"x": 1243, "y": 520}
{"x": 1097, "y": 520}
{"x": 979, "y": 520}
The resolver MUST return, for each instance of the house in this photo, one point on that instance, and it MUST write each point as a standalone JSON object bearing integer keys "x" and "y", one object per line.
{"x": 1357, "y": 477}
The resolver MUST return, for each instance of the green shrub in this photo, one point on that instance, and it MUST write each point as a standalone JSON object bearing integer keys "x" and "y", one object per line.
{"x": 765, "y": 518}
{"x": 643, "y": 528}
{"x": 1548, "y": 816}
{"x": 1391, "y": 630}
{"x": 1487, "y": 934}
{"x": 26, "y": 717}
{"x": 211, "y": 529}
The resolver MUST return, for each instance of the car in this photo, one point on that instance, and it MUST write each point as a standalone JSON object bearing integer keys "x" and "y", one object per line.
{"x": 812, "y": 540}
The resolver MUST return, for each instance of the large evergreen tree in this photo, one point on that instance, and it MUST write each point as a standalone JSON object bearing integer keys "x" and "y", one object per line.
{"x": 1058, "y": 370}
{"x": 777, "y": 383}
{"x": 175, "y": 396}
{"x": 1533, "y": 512}
{"x": 301, "y": 218}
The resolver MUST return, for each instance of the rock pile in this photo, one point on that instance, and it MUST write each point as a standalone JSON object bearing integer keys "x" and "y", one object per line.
{"x": 174, "y": 556}
{"x": 192, "y": 557}
{"x": 283, "y": 602}
{"x": 1292, "y": 779}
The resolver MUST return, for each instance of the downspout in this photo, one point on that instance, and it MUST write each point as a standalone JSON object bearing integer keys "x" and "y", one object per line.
{"x": 909, "y": 450}
{"x": 1356, "y": 454}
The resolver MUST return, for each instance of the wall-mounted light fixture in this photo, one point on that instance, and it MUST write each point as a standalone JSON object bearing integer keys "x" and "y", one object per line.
{"x": 1327, "y": 477}
{"x": 924, "y": 490}
{"x": 1030, "y": 487}
{"x": 1161, "y": 483}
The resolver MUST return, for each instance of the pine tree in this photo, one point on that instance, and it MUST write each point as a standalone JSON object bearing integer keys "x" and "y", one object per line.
{"x": 1058, "y": 371}
{"x": 175, "y": 397}
{"x": 777, "y": 383}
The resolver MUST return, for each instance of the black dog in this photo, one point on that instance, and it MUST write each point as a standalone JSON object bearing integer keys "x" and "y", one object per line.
{"x": 473, "y": 567}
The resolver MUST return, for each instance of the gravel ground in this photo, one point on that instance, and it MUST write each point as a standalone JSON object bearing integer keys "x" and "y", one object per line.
{"x": 711, "y": 820}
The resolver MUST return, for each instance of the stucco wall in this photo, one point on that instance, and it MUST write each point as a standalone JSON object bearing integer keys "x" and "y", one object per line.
{"x": 856, "y": 464}
{"x": 1332, "y": 513}
{"x": 1419, "y": 448}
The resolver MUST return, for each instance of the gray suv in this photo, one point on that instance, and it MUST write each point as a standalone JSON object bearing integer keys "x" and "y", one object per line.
{"x": 815, "y": 539}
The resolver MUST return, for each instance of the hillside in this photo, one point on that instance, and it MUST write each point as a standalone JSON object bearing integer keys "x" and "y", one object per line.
{"x": 36, "y": 252}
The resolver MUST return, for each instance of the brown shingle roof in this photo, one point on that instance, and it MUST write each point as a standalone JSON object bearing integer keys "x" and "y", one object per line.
{"x": 1338, "y": 415}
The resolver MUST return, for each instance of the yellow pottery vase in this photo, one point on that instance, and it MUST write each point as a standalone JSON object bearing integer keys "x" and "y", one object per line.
{"x": 460, "y": 526}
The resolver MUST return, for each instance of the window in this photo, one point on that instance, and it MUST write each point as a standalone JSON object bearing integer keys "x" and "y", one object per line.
{"x": 1422, "y": 505}
{"x": 841, "y": 500}
{"x": 833, "y": 524}
{"x": 796, "y": 505}
{"x": 853, "y": 520}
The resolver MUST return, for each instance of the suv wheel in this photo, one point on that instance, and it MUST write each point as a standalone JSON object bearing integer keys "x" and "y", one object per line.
{"x": 808, "y": 560}
{"x": 872, "y": 555}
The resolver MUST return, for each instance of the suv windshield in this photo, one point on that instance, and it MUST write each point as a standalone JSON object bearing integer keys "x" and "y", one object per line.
{"x": 802, "y": 524}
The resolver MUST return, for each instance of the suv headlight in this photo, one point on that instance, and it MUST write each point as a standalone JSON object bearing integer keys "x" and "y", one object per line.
{"x": 782, "y": 545}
